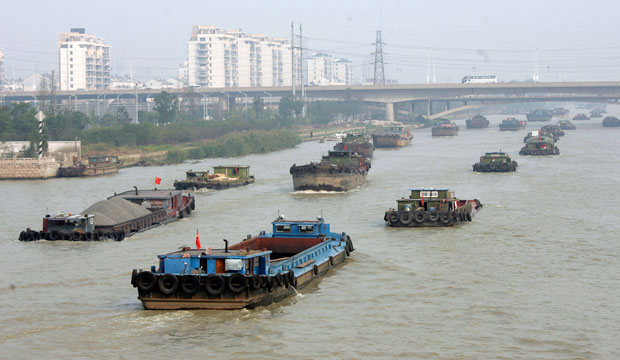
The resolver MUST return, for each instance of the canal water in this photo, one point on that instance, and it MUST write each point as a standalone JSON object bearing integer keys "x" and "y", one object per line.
{"x": 535, "y": 275}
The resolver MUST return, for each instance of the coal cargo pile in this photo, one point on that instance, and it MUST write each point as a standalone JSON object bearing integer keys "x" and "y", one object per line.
{"x": 115, "y": 211}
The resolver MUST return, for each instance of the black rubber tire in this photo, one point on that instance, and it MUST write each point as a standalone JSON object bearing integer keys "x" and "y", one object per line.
{"x": 433, "y": 216}
{"x": 22, "y": 235}
{"x": 492, "y": 166}
{"x": 444, "y": 217}
{"x": 193, "y": 204}
{"x": 419, "y": 216}
{"x": 145, "y": 281}
{"x": 291, "y": 278}
{"x": 269, "y": 284}
{"x": 350, "y": 244}
{"x": 188, "y": 210}
{"x": 315, "y": 269}
{"x": 120, "y": 235}
{"x": 54, "y": 235}
{"x": 331, "y": 261}
{"x": 468, "y": 216}
{"x": 76, "y": 236}
{"x": 181, "y": 214}
{"x": 89, "y": 236}
{"x": 214, "y": 284}
{"x": 263, "y": 281}
{"x": 134, "y": 277}
{"x": 237, "y": 283}
{"x": 487, "y": 167}
{"x": 405, "y": 217}
{"x": 255, "y": 282}
{"x": 279, "y": 279}
{"x": 190, "y": 284}
{"x": 168, "y": 284}
{"x": 393, "y": 217}
{"x": 66, "y": 236}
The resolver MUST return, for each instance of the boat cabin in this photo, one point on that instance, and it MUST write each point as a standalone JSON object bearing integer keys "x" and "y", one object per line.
{"x": 69, "y": 223}
{"x": 287, "y": 238}
{"x": 154, "y": 200}
{"x": 240, "y": 171}
{"x": 98, "y": 161}
{"x": 428, "y": 200}
{"x": 216, "y": 261}
{"x": 340, "y": 157}
{"x": 196, "y": 175}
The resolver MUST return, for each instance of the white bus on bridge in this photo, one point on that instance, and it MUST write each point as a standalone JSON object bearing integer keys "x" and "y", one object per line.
{"x": 479, "y": 79}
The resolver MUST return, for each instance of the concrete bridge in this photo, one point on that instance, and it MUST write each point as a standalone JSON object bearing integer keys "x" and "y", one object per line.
{"x": 464, "y": 96}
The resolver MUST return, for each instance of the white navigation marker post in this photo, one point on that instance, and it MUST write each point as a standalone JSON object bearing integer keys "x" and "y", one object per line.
{"x": 40, "y": 116}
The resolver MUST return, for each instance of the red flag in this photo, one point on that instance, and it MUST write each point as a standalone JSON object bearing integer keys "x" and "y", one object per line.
{"x": 197, "y": 240}
{"x": 157, "y": 180}
{"x": 422, "y": 197}
{"x": 345, "y": 147}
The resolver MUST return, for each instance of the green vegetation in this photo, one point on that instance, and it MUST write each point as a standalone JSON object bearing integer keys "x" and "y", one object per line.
{"x": 238, "y": 144}
{"x": 239, "y": 131}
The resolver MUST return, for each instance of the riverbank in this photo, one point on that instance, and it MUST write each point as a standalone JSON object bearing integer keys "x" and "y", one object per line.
{"x": 233, "y": 144}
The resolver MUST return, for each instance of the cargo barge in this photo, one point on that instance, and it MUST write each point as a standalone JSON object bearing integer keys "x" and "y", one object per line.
{"x": 394, "y": 136}
{"x": 512, "y": 124}
{"x": 223, "y": 177}
{"x": 97, "y": 165}
{"x": 117, "y": 217}
{"x": 445, "y": 128}
{"x": 359, "y": 143}
{"x": 255, "y": 272}
{"x": 431, "y": 207}
{"x": 337, "y": 171}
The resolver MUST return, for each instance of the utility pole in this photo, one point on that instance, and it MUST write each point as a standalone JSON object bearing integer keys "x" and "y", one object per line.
{"x": 293, "y": 58}
{"x": 379, "y": 78}
{"x": 301, "y": 74}
{"x": 428, "y": 67}
{"x": 434, "y": 78}
{"x": 535, "y": 77}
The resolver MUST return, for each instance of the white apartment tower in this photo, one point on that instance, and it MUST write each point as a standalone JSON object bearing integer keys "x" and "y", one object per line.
{"x": 84, "y": 61}
{"x": 232, "y": 58}
{"x": 324, "y": 69}
{"x": 343, "y": 72}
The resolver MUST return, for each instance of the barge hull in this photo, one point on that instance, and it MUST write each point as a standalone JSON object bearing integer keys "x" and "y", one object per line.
{"x": 247, "y": 299}
{"x": 388, "y": 142}
{"x": 328, "y": 182}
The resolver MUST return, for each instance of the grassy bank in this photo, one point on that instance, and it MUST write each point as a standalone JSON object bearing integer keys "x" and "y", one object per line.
{"x": 238, "y": 144}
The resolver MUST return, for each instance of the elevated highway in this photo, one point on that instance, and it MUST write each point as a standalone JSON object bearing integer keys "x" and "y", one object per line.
{"x": 605, "y": 91}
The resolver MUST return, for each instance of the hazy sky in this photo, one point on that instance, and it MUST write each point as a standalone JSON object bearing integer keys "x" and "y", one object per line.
{"x": 576, "y": 40}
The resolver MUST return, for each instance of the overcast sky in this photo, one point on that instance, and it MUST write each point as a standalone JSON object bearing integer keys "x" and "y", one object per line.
{"x": 576, "y": 40}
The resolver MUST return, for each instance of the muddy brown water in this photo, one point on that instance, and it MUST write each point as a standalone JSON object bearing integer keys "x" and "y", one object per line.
{"x": 535, "y": 275}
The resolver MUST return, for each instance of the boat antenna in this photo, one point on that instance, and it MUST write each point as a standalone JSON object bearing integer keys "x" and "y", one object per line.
{"x": 226, "y": 245}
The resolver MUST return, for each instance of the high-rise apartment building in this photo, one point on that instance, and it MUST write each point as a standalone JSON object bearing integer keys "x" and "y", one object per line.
{"x": 324, "y": 69}
{"x": 343, "y": 72}
{"x": 84, "y": 61}
{"x": 232, "y": 58}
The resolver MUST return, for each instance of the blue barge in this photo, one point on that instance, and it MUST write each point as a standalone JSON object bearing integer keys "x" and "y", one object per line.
{"x": 255, "y": 272}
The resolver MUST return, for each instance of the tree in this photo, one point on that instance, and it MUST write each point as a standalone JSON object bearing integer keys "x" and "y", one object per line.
{"x": 258, "y": 105}
{"x": 166, "y": 105}
{"x": 122, "y": 116}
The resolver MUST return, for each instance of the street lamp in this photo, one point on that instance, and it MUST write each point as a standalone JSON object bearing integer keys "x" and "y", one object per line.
{"x": 245, "y": 106}
{"x": 270, "y": 97}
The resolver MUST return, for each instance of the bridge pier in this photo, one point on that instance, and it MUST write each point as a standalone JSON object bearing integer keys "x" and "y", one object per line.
{"x": 389, "y": 111}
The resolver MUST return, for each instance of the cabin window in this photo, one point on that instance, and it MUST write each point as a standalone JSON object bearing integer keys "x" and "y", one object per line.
{"x": 306, "y": 228}
{"x": 283, "y": 228}
{"x": 233, "y": 264}
{"x": 248, "y": 266}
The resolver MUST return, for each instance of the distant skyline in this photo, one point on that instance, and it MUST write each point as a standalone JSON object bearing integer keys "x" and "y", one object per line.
{"x": 574, "y": 41}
